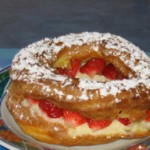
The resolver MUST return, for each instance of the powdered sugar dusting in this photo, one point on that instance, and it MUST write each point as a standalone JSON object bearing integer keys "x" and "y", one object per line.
{"x": 28, "y": 63}
{"x": 112, "y": 87}
{"x": 26, "y": 60}
{"x": 118, "y": 43}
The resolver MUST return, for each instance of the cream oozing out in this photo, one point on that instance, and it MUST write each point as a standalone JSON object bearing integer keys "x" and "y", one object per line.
{"x": 114, "y": 128}
{"x": 26, "y": 60}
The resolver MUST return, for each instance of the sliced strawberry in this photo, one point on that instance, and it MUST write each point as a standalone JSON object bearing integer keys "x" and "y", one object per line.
{"x": 51, "y": 110}
{"x": 1, "y": 122}
{"x": 124, "y": 121}
{"x": 98, "y": 124}
{"x": 93, "y": 66}
{"x": 110, "y": 72}
{"x": 148, "y": 112}
{"x": 75, "y": 66}
{"x": 33, "y": 101}
{"x": 68, "y": 72}
{"x": 148, "y": 116}
{"x": 63, "y": 71}
{"x": 73, "y": 119}
{"x": 120, "y": 76}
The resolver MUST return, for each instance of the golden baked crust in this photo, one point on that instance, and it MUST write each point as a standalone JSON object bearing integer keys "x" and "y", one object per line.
{"x": 128, "y": 105}
{"x": 34, "y": 74}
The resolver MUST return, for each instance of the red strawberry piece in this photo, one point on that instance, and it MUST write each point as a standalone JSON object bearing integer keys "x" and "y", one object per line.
{"x": 50, "y": 109}
{"x": 124, "y": 121}
{"x": 120, "y": 76}
{"x": 110, "y": 72}
{"x": 93, "y": 66}
{"x": 1, "y": 122}
{"x": 138, "y": 147}
{"x": 98, "y": 124}
{"x": 73, "y": 119}
{"x": 148, "y": 112}
{"x": 75, "y": 66}
{"x": 33, "y": 101}
{"x": 61, "y": 71}
{"x": 68, "y": 72}
{"x": 148, "y": 116}
{"x": 64, "y": 71}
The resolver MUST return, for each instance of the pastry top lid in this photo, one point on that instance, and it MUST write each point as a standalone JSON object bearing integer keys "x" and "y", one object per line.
{"x": 26, "y": 66}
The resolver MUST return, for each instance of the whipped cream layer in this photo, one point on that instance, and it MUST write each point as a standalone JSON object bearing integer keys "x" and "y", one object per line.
{"x": 114, "y": 128}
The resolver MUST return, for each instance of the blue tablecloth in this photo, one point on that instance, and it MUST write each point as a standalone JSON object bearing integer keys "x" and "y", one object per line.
{"x": 6, "y": 56}
{"x": 2, "y": 148}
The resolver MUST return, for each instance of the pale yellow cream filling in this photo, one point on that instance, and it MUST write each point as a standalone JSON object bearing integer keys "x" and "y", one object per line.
{"x": 114, "y": 128}
{"x": 95, "y": 77}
